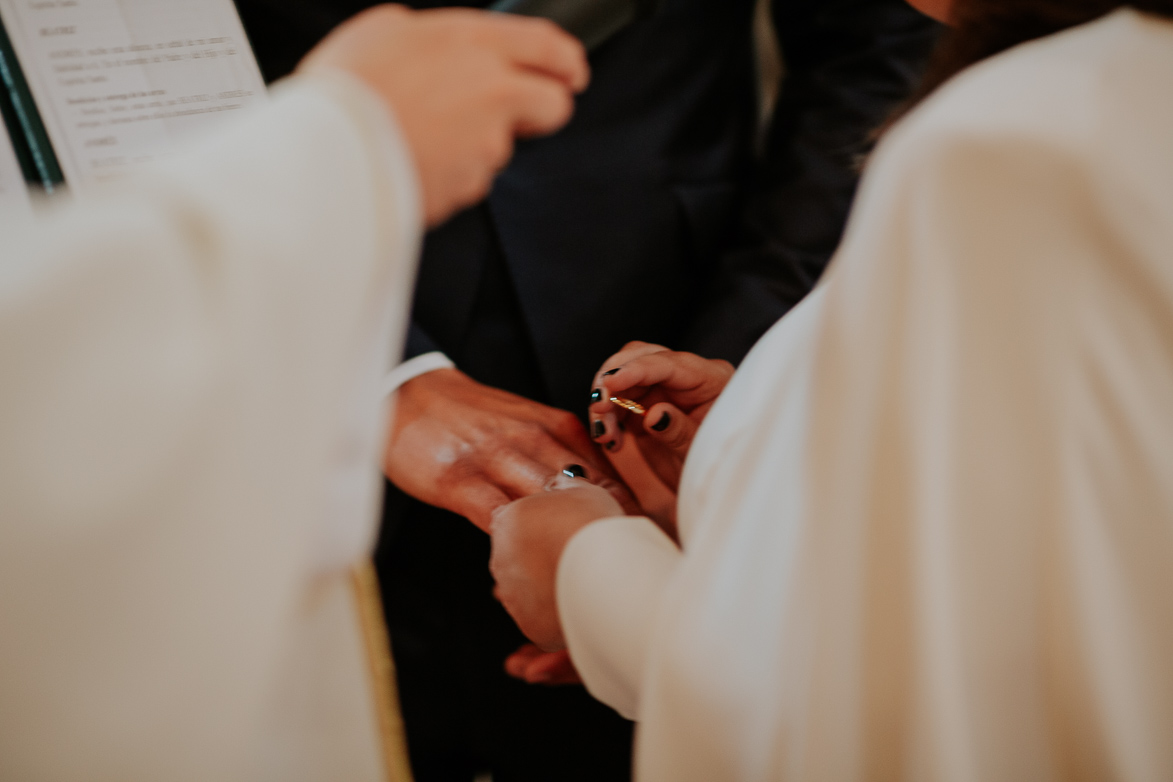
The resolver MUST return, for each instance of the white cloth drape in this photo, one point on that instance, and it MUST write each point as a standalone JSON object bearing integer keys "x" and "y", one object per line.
{"x": 189, "y": 419}
{"x": 928, "y": 529}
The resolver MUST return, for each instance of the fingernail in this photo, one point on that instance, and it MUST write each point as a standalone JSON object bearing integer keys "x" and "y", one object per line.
{"x": 574, "y": 471}
{"x": 598, "y": 429}
{"x": 610, "y": 372}
{"x": 597, "y": 395}
{"x": 622, "y": 426}
{"x": 662, "y": 424}
{"x": 610, "y": 446}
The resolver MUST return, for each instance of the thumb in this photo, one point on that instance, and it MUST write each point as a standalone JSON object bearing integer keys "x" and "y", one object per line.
{"x": 670, "y": 427}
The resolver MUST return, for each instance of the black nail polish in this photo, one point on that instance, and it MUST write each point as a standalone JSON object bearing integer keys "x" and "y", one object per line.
{"x": 574, "y": 471}
{"x": 662, "y": 424}
{"x": 610, "y": 446}
{"x": 610, "y": 372}
{"x": 597, "y": 395}
{"x": 600, "y": 429}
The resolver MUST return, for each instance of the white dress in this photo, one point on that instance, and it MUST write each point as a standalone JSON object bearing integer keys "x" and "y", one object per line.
{"x": 927, "y": 530}
{"x": 189, "y": 429}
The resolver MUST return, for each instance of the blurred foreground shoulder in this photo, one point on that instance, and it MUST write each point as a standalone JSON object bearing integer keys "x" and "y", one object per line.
{"x": 1083, "y": 91}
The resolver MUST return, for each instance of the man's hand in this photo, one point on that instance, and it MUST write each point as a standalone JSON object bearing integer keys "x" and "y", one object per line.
{"x": 463, "y": 85}
{"x": 470, "y": 448}
{"x": 529, "y": 537}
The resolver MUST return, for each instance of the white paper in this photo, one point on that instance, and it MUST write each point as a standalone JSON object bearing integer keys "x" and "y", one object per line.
{"x": 14, "y": 195}
{"x": 120, "y": 82}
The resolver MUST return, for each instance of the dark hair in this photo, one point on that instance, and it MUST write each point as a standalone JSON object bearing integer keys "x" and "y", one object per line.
{"x": 983, "y": 28}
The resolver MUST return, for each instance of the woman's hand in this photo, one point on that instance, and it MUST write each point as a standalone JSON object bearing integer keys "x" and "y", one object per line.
{"x": 533, "y": 666}
{"x": 677, "y": 390}
{"x": 529, "y": 536}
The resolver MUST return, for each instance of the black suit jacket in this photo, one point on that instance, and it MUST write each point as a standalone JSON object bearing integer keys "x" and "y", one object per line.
{"x": 650, "y": 216}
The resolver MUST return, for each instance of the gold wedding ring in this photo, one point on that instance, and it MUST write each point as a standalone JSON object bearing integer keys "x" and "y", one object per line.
{"x": 627, "y": 404}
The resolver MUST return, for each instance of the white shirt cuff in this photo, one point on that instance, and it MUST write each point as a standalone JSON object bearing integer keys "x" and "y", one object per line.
{"x": 413, "y": 368}
{"x": 611, "y": 580}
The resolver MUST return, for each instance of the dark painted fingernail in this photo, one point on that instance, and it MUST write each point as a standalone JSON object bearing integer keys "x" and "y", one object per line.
{"x": 597, "y": 395}
{"x": 622, "y": 426}
{"x": 610, "y": 372}
{"x": 599, "y": 429}
{"x": 574, "y": 471}
{"x": 610, "y": 446}
{"x": 662, "y": 424}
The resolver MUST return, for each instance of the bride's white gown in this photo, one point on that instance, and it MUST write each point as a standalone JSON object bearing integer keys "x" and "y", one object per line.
{"x": 928, "y": 529}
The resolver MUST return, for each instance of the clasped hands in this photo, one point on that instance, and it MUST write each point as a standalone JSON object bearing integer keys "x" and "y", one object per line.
{"x": 498, "y": 459}
{"x": 462, "y": 86}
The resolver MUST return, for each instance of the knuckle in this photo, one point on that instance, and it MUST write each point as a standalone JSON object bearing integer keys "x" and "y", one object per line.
{"x": 562, "y": 106}
{"x": 551, "y": 48}
{"x": 565, "y": 423}
{"x": 530, "y": 431}
{"x": 536, "y": 34}
{"x": 466, "y": 27}
{"x": 519, "y": 432}
{"x": 502, "y": 84}
{"x": 459, "y": 467}
{"x": 564, "y": 419}
{"x": 474, "y": 184}
{"x": 498, "y": 147}
{"x": 447, "y": 482}
{"x": 547, "y": 28}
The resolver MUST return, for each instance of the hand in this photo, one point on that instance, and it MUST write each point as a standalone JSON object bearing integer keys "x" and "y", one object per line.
{"x": 463, "y": 85}
{"x": 676, "y": 389}
{"x": 532, "y": 665}
{"x": 470, "y": 448}
{"x": 529, "y": 537}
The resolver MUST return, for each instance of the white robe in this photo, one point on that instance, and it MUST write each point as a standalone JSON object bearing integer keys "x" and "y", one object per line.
{"x": 189, "y": 428}
{"x": 928, "y": 529}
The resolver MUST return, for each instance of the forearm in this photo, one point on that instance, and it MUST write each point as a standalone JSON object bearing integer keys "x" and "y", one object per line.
{"x": 612, "y": 579}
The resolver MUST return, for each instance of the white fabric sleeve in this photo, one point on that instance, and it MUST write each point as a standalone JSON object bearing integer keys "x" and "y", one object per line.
{"x": 180, "y": 358}
{"x": 413, "y": 368}
{"x": 611, "y": 579}
{"x": 346, "y": 533}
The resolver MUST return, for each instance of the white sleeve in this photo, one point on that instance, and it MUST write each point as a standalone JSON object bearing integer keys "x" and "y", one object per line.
{"x": 611, "y": 579}
{"x": 346, "y": 530}
{"x": 413, "y": 368}
{"x": 180, "y": 357}
{"x": 940, "y": 519}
